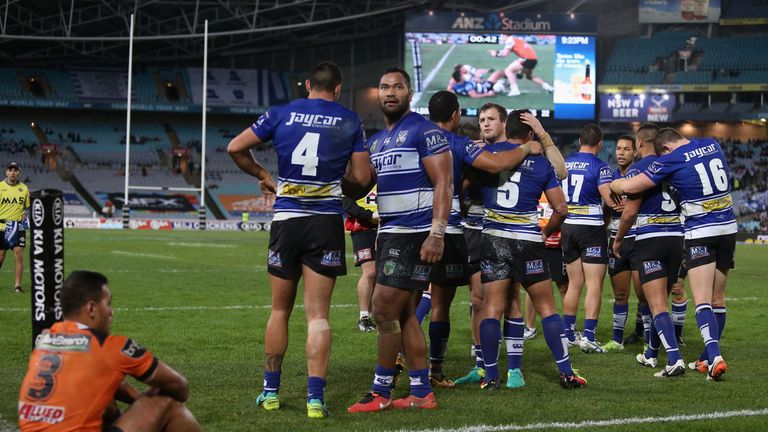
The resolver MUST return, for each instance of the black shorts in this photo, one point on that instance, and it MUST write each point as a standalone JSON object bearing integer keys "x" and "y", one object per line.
{"x": 398, "y": 261}
{"x": 530, "y": 64}
{"x": 718, "y": 249}
{"x": 316, "y": 241}
{"x": 19, "y": 240}
{"x": 474, "y": 239}
{"x": 588, "y": 242}
{"x": 451, "y": 271}
{"x": 659, "y": 257}
{"x": 626, "y": 262}
{"x": 364, "y": 246}
{"x": 554, "y": 258}
{"x": 519, "y": 260}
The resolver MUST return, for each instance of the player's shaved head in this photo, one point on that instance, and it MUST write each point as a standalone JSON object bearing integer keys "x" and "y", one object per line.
{"x": 591, "y": 135}
{"x": 442, "y": 105}
{"x": 326, "y": 76}
{"x": 79, "y": 288}
{"x": 515, "y": 128}
{"x": 405, "y": 75}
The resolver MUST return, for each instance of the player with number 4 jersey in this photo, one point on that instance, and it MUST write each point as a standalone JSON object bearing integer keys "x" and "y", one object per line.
{"x": 315, "y": 138}
{"x": 698, "y": 170}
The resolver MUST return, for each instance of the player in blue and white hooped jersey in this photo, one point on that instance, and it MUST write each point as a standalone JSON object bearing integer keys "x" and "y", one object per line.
{"x": 412, "y": 159}
{"x": 698, "y": 170}
{"x": 655, "y": 217}
{"x": 451, "y": 271}
{"x": 315, "y": 139}
{"x": 622, "y": 269}
{"x": 513, "y": 247}
{"x": 584, "y": 239}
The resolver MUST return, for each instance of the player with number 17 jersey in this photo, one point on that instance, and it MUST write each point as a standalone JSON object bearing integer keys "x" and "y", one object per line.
{"x": 314, "y": 139}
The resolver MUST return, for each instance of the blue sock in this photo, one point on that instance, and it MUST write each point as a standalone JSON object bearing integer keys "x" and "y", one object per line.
{"x": 514, "y": 329}
{"x": 420, "y": 386}
{"x": 382, "y": 382}
{"x": 439, "y": 331}
{"x": 424, "y": 306}
{"x": 645, "y": 311}
{"x": 678, "y": 317}
{"x": 554, "y": 334}
{"x": 707, "y": 322}
{"x": 590, "y": 325}
{"x": 666, "y": 331}
{"x": 479, "y": 356}
{"x": 653, "y": 343}
{"x": 569, "y": 321}
{"x": 620, "y": 313}
{"x": 272, "y": 381}
{"x": 489, "y": 339}
{"x": 315, "y": 388}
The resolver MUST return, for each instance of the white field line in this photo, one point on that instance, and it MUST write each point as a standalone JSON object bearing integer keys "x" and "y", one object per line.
{"x": 143, "y": 255}
{"x": 602, "y": 423}
{"x": 432, "y": 73}
{"x": 200, "y": 245}
{"x": 239, "y": 307}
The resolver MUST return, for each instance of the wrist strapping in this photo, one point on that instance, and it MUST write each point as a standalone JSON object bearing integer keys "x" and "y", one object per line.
{"x": 438, "y": 228}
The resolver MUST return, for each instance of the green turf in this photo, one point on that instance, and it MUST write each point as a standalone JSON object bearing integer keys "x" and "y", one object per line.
{"x": 220, "y": 350}
{"x": 533, "y": 96}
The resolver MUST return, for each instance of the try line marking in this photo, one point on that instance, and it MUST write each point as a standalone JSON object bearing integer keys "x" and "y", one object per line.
{"x": 603, "y": 423}
{"x": 431, "y": 76}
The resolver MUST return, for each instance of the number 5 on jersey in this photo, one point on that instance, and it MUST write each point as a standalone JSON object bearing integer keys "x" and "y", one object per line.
{"x": 305, "y": 154}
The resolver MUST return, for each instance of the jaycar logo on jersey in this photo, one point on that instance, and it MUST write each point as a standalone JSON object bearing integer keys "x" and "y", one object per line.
{"x": 700, "y": 152}
{"x": 331, "y": 258}
{"x": 581, "y": 166}
{"x": 534, "y": 267}
{"x": 312, "y": 120}
{"x": 41, "y": 413}
{"x": 651, "y": 266}
{"x": 594, "y": 251}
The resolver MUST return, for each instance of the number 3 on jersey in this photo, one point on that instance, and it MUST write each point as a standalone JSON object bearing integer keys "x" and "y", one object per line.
{"x": 305, "y": 154}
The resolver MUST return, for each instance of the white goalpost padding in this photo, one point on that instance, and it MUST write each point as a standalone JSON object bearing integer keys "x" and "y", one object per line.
{"x": 128, "y": 187}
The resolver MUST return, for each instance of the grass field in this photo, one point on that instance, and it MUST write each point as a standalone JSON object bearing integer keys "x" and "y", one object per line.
{"x": 533, "y": 96}
{"x": 199, "y": 301}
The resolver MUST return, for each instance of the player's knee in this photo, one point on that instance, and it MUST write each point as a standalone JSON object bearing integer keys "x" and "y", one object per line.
{"x": 318, "y": 325}
{"x": 388, "y": 327}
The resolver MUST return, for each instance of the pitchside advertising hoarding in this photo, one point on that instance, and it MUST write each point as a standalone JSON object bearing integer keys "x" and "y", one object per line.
{"x": 679, "y": 11}
{"x": 637, "y": 107}
{"x": 540, "y": 62}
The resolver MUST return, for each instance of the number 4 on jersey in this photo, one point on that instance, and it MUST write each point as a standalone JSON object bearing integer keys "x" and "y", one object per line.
{"x": 305, "y": 154}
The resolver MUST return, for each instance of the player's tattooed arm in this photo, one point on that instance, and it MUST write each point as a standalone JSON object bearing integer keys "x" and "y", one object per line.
{"x": 273, "y": 362}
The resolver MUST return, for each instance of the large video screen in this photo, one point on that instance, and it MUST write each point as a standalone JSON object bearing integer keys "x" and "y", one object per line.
{"x": 552, "y": 74}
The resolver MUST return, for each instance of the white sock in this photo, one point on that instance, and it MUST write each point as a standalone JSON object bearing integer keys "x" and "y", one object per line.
{"x": 363, "y": 314}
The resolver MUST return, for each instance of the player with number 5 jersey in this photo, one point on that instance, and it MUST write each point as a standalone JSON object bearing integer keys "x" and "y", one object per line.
{"x": 315, "y": 138}
{"x": 698, "y": 170}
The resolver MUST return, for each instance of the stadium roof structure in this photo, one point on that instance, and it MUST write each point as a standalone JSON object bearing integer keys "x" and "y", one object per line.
{"x": 45, "y": 32}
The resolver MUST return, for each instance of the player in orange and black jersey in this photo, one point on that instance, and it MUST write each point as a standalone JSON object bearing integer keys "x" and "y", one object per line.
{"x": 363, "y": 222}
{"x": 77, "y": 369}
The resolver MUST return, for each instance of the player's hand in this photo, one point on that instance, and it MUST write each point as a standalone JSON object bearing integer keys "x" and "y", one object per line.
{"x": 268, "y": 189}
{"x": 617, "y": 247}
{"x": 533, "y": 122}
{"x": 619, "y": 200}
{"x": 375, "y": 217}
{"x": 535, "y": 148}
{"x": 432, "y": 249}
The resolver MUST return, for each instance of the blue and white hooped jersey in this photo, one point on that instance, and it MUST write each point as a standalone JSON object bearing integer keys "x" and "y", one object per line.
{"x": 511, "y": 199}
{"x": 586, "y": 172}
{"x": 659, "y": 214}
{"x": 616, "y": 216}
{"x": 699, "y": 172}
{"x": 475, "y": 213}
{"x": 314, "y": 140}
{"x": 464, "y": 152}
{"x": 405, "y": 193}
